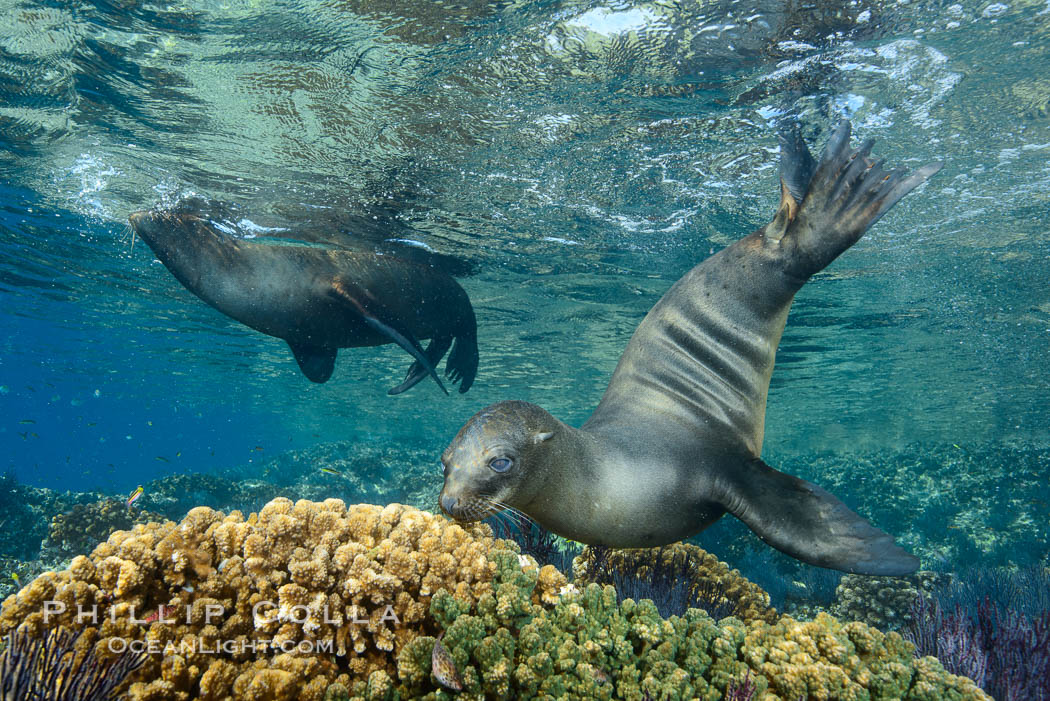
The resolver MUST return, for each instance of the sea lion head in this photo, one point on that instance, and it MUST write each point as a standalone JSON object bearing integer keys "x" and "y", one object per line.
{"x": 179, "y": 234}
{"x": 496, "y": 460}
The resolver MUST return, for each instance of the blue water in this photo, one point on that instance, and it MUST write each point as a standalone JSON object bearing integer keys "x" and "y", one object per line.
{"x": 580, "y": 155}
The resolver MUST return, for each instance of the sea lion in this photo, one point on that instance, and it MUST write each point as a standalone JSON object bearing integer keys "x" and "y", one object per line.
{"x": 676, "y": 440}
{"x": 317, "y": 299}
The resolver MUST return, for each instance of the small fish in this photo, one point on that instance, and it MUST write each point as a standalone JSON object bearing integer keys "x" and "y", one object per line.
{"x": 258, "y": 448}
{"x": 331, "y": 471}
{"x": 178, "y": 454}
{"x": 18, "y": 580}
{"x": 161, "y": 612}
{"x": 601, "y": 676}
{"x": 134, "y": 496}
{"x": 27, "y": 421}
{"x": 24, "y": 434}
{"x": 443, "y": 667}
{"x": 161, "y": 458}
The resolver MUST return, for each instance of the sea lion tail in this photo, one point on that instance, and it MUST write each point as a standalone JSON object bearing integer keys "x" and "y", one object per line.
{"x": 827, "y": 208}
{"x": 808, "y": 523}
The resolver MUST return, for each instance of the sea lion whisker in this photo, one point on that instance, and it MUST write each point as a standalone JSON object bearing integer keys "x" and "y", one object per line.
{"x": 510, "y": 518}
{"x": 521, "y": 519}
{"x": 129, "y": 230}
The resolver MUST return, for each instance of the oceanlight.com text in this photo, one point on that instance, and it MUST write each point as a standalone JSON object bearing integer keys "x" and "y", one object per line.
{"x": 226, "y": 647}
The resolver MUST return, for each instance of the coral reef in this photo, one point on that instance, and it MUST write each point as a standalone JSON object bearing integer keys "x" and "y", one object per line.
{"x": 680, "y": 575}
{"x": 317, "y": 602}
{"x": 361, "y": 472}
{"x": 79, "y": 530}
{"x": 590, "y": 646}
{"x": 61, "y": 666}
{"x": 883, "y": 602}
{"x": 278, "y": 606}
{"x": 367, "y": 471}
{"x": 25, "y": 513}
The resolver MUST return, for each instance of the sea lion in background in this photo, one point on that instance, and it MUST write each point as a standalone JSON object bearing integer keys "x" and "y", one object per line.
{"x": 675, "y": 442}
{"x": 319, "y": 300}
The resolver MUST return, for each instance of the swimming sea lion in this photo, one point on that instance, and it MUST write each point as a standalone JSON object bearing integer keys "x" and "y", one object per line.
{"x": 320, "y": 300}
{"x": 675, "y": 442}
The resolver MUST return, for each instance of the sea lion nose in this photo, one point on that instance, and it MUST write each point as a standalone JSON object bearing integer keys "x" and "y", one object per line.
{"x": 448, "y": 504}
{"x": 136, "y": 217}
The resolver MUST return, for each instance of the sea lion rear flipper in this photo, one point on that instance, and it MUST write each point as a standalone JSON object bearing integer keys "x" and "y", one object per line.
{"x": 806, "y": 522}
{"x": 317, "y": 363}
{"x": 375, "y": 314}
{"x": 417, "y": 371}
{"x": 462, "y": 362}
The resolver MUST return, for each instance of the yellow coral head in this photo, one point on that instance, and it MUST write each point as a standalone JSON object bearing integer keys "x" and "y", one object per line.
{"x": 495, "y": 461}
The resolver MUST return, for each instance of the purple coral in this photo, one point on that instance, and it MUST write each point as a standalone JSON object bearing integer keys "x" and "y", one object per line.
{"x": 49, "y": 668}
{"x": 1005, "y": 652}
{"x": 743, "y": 690}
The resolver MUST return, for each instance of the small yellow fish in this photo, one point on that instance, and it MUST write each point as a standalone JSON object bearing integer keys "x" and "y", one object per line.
{"x": 27, "y": 421}
{"x": 134, "y": 496}
{"x": 18, "y": 580}
{"x": 330, "y": 471}
{"x": 443, "y": 667}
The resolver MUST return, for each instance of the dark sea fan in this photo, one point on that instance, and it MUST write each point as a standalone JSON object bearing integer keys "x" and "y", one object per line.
{"x": 50, "y": 668}
{"x": 537, "y": 541}
{"x": 1006, "y": 652}
{"x": 742, "y": 690}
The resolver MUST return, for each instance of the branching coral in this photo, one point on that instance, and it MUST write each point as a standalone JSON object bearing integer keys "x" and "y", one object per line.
{"x": 317, "y": 601}
{"x": 882, "y": 602}
{"x": 277, "y": 606}
{"x": 80, "y": 529}
{"x": 589, "y": 646}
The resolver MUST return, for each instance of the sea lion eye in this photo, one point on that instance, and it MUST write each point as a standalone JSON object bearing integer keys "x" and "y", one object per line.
{"x": 500, "y": 464}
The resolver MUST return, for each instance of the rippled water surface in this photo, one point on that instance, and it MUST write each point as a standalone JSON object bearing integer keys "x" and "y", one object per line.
{"x": 580, "y": 156}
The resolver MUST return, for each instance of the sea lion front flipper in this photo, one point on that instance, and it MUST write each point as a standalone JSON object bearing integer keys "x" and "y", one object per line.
{"x": 846, "y": 195}
{"x": 375, "y": 314}
{"x": 808, "y": 523}
{"x": 417, "y": 371}
{"x": 317, "y": 363}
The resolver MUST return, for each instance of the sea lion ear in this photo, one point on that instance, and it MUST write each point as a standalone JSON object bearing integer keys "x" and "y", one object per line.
{"x": 540, "y": 437}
